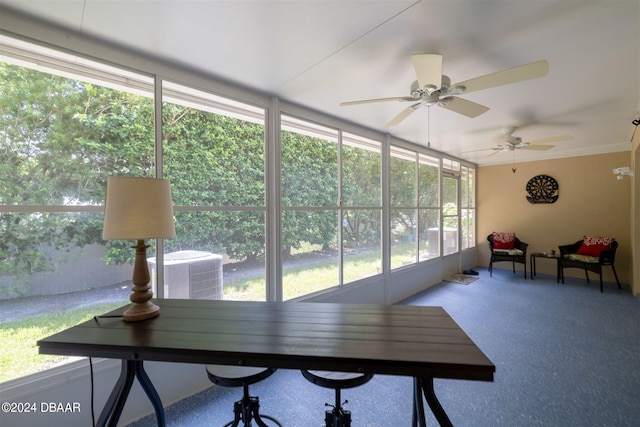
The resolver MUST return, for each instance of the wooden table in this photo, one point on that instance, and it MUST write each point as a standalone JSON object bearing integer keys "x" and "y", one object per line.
{"x": 420, "y": 342}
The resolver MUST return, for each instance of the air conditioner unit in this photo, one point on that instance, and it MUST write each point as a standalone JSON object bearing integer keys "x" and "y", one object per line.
{"x": 190, "y": 275}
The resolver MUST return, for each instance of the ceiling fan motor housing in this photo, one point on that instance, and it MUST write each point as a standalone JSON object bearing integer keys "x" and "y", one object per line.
{"x": 428, "y": 95}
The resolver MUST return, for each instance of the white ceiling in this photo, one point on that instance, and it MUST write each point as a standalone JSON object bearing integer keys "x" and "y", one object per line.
{"x": 320, "y": 53}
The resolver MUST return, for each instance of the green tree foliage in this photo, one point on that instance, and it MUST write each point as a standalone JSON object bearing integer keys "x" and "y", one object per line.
{"x": 361, "y": 188}
{"x": 61, "y": 138}
{"x": 402, "y": 184}
{"x": 214, "y": 160}
{"x": 309, "y": 179}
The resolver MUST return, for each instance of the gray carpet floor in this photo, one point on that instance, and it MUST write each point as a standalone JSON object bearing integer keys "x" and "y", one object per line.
{"x": 565, "y": 355}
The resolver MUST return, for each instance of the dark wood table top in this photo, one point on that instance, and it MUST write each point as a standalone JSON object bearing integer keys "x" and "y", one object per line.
{"x": 544, "y": 255}
{"x": 371, "y": 338}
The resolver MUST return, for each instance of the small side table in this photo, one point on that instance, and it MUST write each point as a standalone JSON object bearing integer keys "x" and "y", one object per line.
{"x": 532, "y": 261}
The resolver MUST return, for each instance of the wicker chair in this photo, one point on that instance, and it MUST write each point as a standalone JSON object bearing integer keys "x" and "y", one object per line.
{"x": 517, "y": 254}
{"x": 570, "y": 259}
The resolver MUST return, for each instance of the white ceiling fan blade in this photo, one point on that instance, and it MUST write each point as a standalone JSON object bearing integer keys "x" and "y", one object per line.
{"x": 550, "y": 139}
{"x": 476, "y": 151}
{"x": 403, "y": 115}
{"x": 428, "y": 67}
{"x": 538, "y": 147}
{"x": 505, "y": 77}
{"x": 369, "y": 101}
{"x": 462, "y": 106}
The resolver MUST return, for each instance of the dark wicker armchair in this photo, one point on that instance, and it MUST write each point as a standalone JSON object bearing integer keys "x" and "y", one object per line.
{"x": 569, "y": 258}
{"x": 517, "y": 254}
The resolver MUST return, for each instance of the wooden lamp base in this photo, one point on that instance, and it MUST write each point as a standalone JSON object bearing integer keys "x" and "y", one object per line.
{"x": 141, "y": 308}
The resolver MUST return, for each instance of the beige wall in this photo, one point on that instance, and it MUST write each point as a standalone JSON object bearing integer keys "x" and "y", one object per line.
{"x": 591, "y": 202}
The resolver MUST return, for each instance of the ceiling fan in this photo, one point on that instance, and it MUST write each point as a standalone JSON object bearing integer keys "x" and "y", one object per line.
{"x": 434, "y": 88}
{"x": 509, "y": 142}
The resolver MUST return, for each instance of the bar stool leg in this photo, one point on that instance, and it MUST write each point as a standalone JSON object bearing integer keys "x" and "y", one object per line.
{"x": 247, "y": 409}
{"x": 337, "y": 417}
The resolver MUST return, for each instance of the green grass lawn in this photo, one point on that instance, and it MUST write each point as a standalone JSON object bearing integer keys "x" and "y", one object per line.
{"x": 305, "y": 279}
{"x": 18, "y": 339}
{"x": 19, "y": 355}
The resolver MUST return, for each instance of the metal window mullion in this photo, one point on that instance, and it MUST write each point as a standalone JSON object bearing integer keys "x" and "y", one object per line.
{"x": 459, "y": 212}
{"x": 340, "y": 213}
{"x": 439, "y": 207}
{"x": 157, "y": 91}
{"x": 416, "y": 208}
{"x": 274, "y": 291}
{"x": 386, "y": 215}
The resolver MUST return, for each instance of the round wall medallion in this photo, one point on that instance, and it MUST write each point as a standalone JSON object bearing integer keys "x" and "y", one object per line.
{"x": 542, "y": 189}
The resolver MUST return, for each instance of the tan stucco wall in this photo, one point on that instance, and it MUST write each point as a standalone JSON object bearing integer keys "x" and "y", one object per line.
{"x": 591, "y": 202}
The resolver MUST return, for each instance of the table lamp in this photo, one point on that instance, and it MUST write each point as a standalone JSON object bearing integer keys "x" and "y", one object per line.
{"x": 138, "y": 208}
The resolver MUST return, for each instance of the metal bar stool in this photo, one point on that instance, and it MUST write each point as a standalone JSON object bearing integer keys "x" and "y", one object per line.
{"x": 247, "y": 408}
{"x": 338, "y": 416}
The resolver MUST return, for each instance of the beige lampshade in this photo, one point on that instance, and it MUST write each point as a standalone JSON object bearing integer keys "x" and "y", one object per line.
{"x": 137, "y": 208}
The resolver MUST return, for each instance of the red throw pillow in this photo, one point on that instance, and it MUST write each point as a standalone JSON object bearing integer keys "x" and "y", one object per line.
{"x": 592, "y": 246}
{"x": 503, "y": 240}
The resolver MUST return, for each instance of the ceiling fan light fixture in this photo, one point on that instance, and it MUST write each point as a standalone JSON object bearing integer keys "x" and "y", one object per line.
{"x": 431, "y": 99}
{"x": 430, "y": 89}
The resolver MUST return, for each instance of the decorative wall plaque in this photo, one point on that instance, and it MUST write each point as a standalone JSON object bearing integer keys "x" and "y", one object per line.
{"x": 542, "y": 189}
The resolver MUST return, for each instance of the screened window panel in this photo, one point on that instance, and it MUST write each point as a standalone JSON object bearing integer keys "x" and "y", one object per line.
{"x": 64, "y": 133}
{"x": 402, "y": 179}
{"x": 310, "y": 259}
{"x": 428, "y": 179}
{"x": 450, "y": 212}
{"x": 403, "y": 237}
{"x": 212, "y": 156}
{"x": 361, "y": 243}
{"x": 429, "y": 243}
{"x": 309, "y": 164}
{"x": 361, "y": 172}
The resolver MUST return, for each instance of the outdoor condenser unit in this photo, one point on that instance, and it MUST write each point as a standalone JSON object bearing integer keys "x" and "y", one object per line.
{"x": 190, "y": 275}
